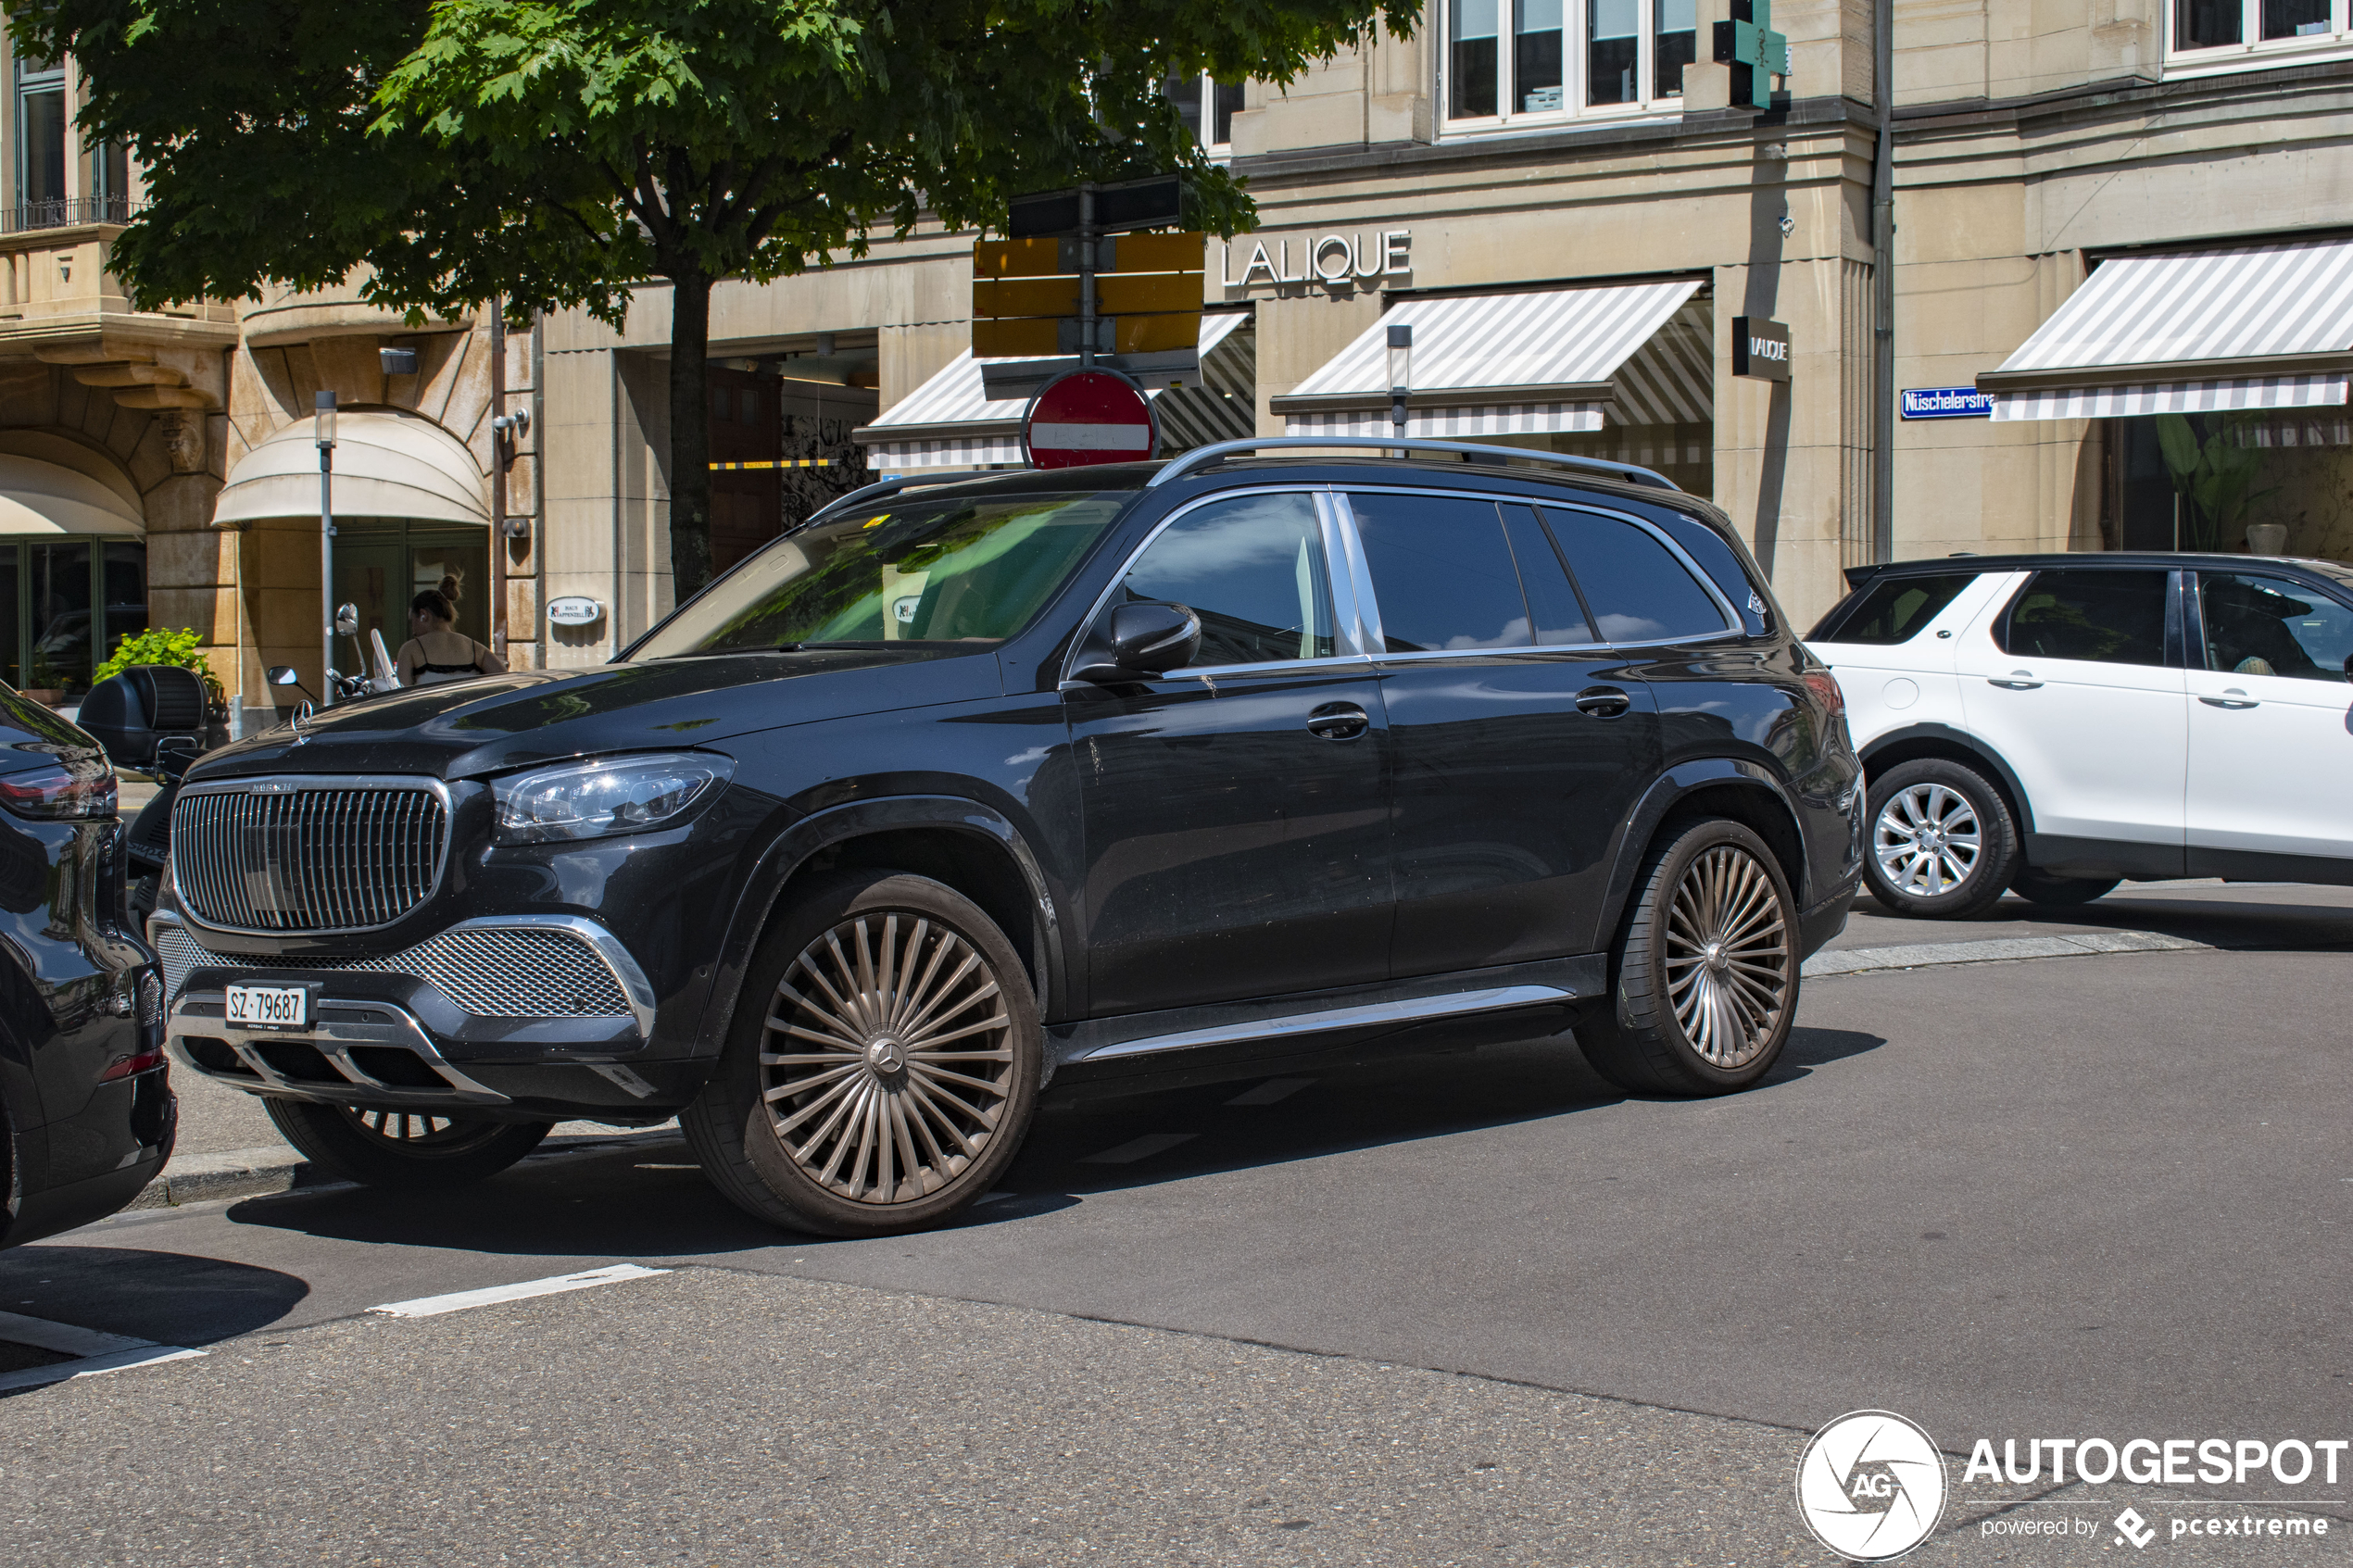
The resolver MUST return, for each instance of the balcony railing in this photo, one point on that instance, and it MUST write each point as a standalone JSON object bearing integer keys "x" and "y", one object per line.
{"x": 62, "y": 213}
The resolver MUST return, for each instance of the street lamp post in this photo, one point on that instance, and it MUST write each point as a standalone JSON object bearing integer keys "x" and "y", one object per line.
{"x": 1400, "y": 376}
{"x": 323, "y": 430}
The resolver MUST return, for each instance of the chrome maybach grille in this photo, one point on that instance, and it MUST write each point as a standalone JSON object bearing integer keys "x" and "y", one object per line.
{"x": 280, "y": 855}
{"x": 498, "y": 972}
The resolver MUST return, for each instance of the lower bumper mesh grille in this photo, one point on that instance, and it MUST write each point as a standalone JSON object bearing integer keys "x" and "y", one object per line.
{"x": 520, "y": 972}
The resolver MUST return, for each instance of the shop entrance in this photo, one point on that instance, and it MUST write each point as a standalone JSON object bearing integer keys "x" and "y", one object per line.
{"x": 2275, "y": 482}
{"x": 381, "y": 563}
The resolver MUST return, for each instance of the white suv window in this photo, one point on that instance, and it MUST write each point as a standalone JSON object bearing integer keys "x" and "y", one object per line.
{"x": 1897, "y": 610}
{"x": 2107, "y": 616}
{"x": 2271, "y": 626}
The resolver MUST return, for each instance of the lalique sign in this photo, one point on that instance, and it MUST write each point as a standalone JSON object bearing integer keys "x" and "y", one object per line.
{"x": 1357, "y": 259}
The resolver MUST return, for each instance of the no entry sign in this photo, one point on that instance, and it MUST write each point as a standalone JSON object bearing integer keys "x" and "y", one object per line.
{"x": 1088, "y": 416}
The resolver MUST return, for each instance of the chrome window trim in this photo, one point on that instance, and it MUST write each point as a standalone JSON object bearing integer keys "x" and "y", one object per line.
{"x": 1733, "y": 625}
{"x": 1339, "y": 567}
{"x": 607, "y": 947}
{"x": 1368, "y": 627}
{"x": 295, "y": 783}
{"x": 1103, "y": 599}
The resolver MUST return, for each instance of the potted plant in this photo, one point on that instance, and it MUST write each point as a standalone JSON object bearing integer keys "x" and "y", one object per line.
{"x": 44, "y": 683}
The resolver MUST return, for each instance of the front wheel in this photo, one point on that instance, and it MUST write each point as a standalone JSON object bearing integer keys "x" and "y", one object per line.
{"x": 883, "y": 1064}
{"x": 403, "y": 1149}
{"x": 1942, "y": 842}
{"x": 1706, "y": 969}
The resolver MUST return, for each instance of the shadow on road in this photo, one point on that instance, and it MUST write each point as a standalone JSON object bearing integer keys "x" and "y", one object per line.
{"x": 124, "y": 1290}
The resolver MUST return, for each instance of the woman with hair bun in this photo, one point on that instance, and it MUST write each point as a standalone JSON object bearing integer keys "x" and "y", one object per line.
{"x": 437, "y": 650}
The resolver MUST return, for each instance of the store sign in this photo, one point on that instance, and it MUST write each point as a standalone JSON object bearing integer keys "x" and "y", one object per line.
{"x": 575, "y": 611}
{"x": 1760, "y": 348}
{"x": 1353, "y": 260}
{"x": 1947, "y": 403}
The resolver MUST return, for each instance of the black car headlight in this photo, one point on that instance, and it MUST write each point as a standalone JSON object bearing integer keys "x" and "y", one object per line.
{"x": 613, "y": 795}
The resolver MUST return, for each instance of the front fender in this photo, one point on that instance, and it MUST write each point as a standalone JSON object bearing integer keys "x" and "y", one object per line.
{"x": 792, "y": 849}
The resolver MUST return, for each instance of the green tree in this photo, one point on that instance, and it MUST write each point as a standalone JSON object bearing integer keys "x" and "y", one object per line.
{"x": 554, "y": 153}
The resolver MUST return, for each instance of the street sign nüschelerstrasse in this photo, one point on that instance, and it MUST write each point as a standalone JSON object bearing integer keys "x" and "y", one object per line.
{"x": 1947, "y": 403}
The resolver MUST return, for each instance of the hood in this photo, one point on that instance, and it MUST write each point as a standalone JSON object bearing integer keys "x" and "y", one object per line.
{"x": 469, "y": 728}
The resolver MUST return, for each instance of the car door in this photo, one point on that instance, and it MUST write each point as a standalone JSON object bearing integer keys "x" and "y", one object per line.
{"x": 1235, "y": 812}
{"x": 2071, "y": 682}
{"x": 2272, "y": 719}
{"x": 1520, "y": 742}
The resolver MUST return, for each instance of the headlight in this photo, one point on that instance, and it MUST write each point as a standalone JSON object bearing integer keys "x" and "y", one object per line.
{"x": 598, "y": 799}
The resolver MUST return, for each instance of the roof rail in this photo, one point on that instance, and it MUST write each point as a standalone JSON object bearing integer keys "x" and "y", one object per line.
{"x": 876, "y": 491}
{"x": 1186, "y": 462}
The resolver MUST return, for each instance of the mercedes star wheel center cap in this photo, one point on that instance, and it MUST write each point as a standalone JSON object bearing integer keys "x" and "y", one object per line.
{"x": 885, "y": 1056}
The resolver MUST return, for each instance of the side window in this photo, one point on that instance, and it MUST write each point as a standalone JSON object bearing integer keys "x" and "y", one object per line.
{"x": 1552, "y": 598}
{"x": 2107, "y": 616}
{"x": 1637, "y": 590}
{"x": 1442, "y": 573}
{"x": 2271, "y": 626}
{"x": 1897, "y": 610}
{"x": 1253, "y": 569}
{"x": 1721, "y": 563}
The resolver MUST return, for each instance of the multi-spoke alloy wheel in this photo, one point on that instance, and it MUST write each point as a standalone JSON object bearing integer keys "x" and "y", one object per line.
{"x": 1729, "y": 957}
{"x": 1707, "y": 978}
{"x": 887, "y": 1059}
{"x": 404, "y": 1148}
{"x": 883, "y": 1064}
{"x": 1927, "y": 839}
{"x": 1943, "y": 842}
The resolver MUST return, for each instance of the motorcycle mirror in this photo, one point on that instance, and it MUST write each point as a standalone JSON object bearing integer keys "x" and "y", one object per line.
{"x": 347, "y": 619}
{"x": 283, "y": 675}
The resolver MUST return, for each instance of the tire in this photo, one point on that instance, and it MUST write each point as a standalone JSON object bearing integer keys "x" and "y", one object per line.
{"x": 403, "y": 1149}
{"x": 1942, "y": 844}
{"x": 2061, "y": 892}
{"x": 1693, "y": 1012}
{"x": 905, "y": 1134}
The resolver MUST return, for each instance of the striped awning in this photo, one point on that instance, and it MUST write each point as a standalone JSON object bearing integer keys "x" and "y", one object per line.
{"x": 949, "y": 423}
{"x": 2204, "y": 331}
{"x": 1504, "y": 364}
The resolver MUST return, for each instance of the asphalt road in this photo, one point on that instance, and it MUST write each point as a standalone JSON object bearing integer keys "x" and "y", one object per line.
{"x": 1463, "y": 1309}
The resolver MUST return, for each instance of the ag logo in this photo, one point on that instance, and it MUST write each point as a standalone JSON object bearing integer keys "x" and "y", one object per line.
{"x": 1871, "y": 1486}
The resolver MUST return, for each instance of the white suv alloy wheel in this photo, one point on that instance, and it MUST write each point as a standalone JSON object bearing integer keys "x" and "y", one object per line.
{"x": 1927, "y": 839}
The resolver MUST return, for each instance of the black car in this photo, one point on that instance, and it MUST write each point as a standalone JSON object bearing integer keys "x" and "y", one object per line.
{"x": 1170, "y": 770}
{"x": 86, "y": 1112}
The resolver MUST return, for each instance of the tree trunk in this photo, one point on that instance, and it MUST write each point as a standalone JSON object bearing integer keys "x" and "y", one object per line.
{"x": 689, "y": 436}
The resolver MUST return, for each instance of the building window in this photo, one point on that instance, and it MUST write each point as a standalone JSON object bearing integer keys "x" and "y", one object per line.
{"x": 1626, "y": 55}
{"x": 39, "y": 126}
{"x": 2207, "y": 34}
{"x": 51, "y": 637}
{"x": 1208, "y": 107}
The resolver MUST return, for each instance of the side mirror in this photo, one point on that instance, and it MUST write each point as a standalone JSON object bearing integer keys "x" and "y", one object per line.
{"x": 1139, "y": 641}
{"x": 347, "y": 619}
{"x": 283, "y": 675}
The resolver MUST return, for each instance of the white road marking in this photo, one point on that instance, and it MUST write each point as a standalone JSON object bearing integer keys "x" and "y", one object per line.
{"x": 95, "y": 1352}
{"x": 458, "y": 1301}
{"x": 1139, "y": 1148}
{"x": 1270, "y": 1091}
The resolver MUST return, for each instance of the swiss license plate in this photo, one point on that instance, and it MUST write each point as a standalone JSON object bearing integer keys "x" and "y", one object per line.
{"x": 285, "y": 1006}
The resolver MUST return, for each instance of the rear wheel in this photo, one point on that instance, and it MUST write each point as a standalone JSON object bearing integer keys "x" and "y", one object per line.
{"x": 1942, "y": 843}
{"x": 1706, "y": 969}
{"x": 882, "y": 1065}
{"x": 2041, "y": 887}
{"x": 403, "y": 1149}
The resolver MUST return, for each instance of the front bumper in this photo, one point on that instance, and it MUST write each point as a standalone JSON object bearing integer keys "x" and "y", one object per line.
{"x": 515, "y": 1017}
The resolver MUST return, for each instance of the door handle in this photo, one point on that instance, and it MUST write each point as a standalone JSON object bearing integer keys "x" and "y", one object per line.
{"x": 2019, "y": 681}
{"x": 2233, "y": 698}
{"x": 1602, "y": 702}
{"x": 1337, "y": 720}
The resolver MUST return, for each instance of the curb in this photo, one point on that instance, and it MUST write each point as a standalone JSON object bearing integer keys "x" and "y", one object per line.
{"x": 2000, "y": 949}
{"x": 257, "y": 1173}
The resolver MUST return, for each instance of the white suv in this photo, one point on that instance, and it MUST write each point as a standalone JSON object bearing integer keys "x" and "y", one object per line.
{"x": 2057, "y": 724}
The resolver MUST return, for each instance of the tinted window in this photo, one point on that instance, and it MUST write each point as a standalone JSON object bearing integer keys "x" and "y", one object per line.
{"x": 936, "y": 570}
{"x": 1637, "y": 590}
{"x": 1253, "y": 569}
{"x": 2110, "y": 617}
{"x": 1722, "y": 565}
{"x": 1895, "y": 610}
{"x": 2271, "y": 626}
{"x": 1442, "y": 573}
{"x": 1551, "y": 599}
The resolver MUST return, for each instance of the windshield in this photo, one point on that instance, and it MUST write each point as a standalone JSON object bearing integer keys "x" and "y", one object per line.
{"x": 970, "y": 570}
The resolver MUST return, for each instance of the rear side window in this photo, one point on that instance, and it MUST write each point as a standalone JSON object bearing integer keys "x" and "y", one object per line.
{"x": 1442, "y": 573}
{"x": 1895, "y": 610}
{"x": 2105, "y": 616}
{"x": 1552, "y": 599}
{"x": 1636, "y": 589}
{"x": 1252, "y": 568}
{"x": 1717, "y": 560}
